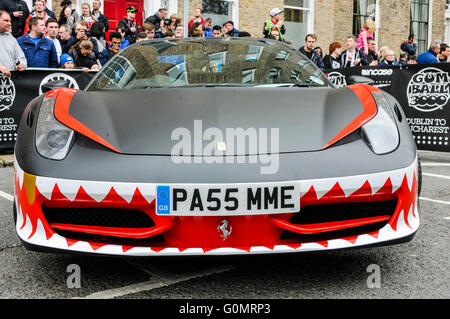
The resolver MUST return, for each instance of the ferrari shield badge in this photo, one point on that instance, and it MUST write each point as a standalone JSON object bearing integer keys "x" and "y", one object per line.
{"x": 224, "y": 229}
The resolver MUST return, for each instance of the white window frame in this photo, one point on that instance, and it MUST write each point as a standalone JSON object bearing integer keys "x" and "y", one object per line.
{"x": 29, "y": 4}
{"x": 234, "y": 12}
{"x": 430, "y": 23}
{"x": 152, "y": 6}
{"x": 377, "y": 21}
{"x": 80, "y": 2}
{"x": 310, "y": 12}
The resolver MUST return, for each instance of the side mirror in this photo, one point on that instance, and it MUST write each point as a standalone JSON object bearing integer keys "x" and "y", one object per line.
{"x": 54, "y": 85}
{"x": 357, "y": 79}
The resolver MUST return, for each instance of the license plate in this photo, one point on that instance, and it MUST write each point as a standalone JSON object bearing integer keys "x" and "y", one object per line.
{"x": 227, "y": 200}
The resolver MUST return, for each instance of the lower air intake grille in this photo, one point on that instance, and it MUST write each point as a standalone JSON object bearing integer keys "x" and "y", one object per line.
{"x": 318, "y": 214}
{"x": 101, "y": 217}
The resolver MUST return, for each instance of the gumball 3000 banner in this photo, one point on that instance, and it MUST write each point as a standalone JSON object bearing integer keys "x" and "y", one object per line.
{"x": 22, "y": 87}
{"x": 423, "y": 91}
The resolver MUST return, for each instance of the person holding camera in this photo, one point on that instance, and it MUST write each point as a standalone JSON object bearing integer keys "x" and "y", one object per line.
{"x": 160, "y": 21}
{"x": 82, "y": 33}
{"x": 130, "y": 24}
{"x": 18, "y": 11}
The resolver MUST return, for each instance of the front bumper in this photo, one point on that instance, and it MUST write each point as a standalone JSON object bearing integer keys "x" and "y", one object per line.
{"x": 170, "y": 236}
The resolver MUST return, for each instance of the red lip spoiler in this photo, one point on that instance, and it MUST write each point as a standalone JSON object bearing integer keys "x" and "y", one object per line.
{"x": 63, "y": 98}
{"x": 364, "y": 93}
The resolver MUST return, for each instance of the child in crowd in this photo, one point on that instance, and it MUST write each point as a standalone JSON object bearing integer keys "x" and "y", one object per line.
{"x": 208, "y": 28}
{"x": 125, "y": 43}
{"x": 68, "y": 63}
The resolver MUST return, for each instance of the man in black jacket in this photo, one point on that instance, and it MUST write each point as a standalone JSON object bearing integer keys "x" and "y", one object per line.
{"x": 308, "y": 51}
{"x": 350, "y": 57}
{"x": 158, "y": 21}
{"x": 410, "y": 46}
{"x": 100, "y": 17}
{"x": 371, "y": 58}
{"x": 19, "y": 12}
{"x": 130, "y": 24}
{"x": 50, "y": 13}
{"x": 65, "y": 38}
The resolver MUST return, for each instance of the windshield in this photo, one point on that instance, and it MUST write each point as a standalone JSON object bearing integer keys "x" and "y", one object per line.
{"x": 208, "y": 62}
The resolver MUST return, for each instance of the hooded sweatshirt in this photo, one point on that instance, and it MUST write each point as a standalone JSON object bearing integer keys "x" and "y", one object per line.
{"x": 10, "y": 51}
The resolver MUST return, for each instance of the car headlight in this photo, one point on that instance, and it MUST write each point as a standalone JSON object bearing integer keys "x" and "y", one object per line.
{"x": 53, "y": 139}
{"x": 381, "y": 133}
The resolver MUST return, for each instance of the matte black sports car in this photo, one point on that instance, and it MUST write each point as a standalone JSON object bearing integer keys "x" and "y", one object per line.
{"x": 214, "y": 146}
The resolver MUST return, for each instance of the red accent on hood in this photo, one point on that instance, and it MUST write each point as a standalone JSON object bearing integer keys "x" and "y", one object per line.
{"x": 364, "y": 93}
{"x": 63, "y": 98}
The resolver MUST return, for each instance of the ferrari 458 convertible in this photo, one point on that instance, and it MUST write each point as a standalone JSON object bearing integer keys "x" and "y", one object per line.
{"x": 214, "y": 147}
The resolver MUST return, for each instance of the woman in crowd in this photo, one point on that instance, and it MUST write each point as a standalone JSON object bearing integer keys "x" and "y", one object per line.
{"x": 98, "y": 33}
{"x": 84, "y": 56}
{"x": 196, "y": 30}
{"x": 388, "y": 59}
{"x": 333, "y": 60}
{"x": 86, "y": 15}
{"x": 382, "y": 53}
{"x": 367, "y": 32}
{"x": 69, "y": 17}
{"x": 176, "y": 21}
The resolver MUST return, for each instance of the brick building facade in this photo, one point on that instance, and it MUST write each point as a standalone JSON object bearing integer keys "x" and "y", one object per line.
{"x": 330, "y": 20}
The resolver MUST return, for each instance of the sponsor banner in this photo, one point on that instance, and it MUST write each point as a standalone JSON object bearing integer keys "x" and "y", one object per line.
{"x": 22, "y": 87}
{"x": 382, "y": 76}
{"x": 423, "y": 91}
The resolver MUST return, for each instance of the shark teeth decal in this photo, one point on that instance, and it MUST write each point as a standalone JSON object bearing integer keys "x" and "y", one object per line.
{"x": 32, "y": 227}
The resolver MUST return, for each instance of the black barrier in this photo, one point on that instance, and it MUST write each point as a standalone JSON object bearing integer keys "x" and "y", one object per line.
{"x": 19, "y": 89}
{"x": 423, "y": 91}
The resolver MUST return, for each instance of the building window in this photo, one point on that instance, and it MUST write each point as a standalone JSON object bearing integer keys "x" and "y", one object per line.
{"x": 221, "y": 11}
{"x": 165, "y": 4}
{"x": 363, "y": 10}
{"x": 419, "y": 23}
{"x": 299, "y": 20}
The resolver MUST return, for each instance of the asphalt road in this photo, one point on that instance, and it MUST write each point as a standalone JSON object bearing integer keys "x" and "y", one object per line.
{"x": 419, "y": 269}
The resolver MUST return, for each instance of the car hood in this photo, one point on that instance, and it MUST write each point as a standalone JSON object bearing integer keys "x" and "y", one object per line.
{"x": 208, "y": 121}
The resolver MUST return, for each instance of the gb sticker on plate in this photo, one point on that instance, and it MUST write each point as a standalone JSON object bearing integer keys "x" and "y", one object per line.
{"x": 163, "y": 200}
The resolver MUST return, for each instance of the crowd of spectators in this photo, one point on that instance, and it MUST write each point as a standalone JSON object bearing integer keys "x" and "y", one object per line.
{"x": 362, "y": 51}
{"x": 39, "y": 39}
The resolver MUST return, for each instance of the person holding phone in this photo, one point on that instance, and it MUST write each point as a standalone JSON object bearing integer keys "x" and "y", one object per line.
{"x": 115, "y": 38}
{"x": 19, "y": 12}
